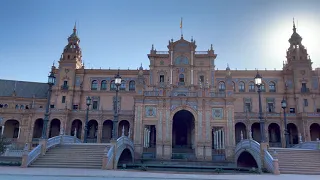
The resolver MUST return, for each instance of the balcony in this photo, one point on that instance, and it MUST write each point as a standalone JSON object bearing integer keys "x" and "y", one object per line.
{"x": 65, "y": 87}
{"x": 220, "y": 94}
{"x": 151, "y": 93}
{"x": 305, "y": 90}
{"x": 184, "y": 93}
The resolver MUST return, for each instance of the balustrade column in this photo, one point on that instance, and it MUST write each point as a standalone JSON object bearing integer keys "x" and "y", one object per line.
{"x": 223, "y": 141}
{"x": 2, "y": 130}
{"x": 19, "y": 132}
{"x": 148, "y": 138}
{"x": 214, "y": 140}
{"x": 144, "y": 137}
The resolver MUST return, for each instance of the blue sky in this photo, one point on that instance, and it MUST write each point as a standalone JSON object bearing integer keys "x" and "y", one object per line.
{"x": 244, "y": 33}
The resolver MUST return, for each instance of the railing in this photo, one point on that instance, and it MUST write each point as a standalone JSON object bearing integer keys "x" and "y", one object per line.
{"x": 162, "y": 52}
{"x": 217, "y": 94}
{"x": 201, "y": 52}
{"x": 305, "y": 90}
{"x": 13, "y": 153}
{"x": 121, "y": 141}
{"x": 184, "y": 93}
{"x": 313, "y": 145}
{"x": 151, "y": 93}
{"x": 268, "y": 161}
{"x": 34, "y": 154}
{"x": 51, "y": 142}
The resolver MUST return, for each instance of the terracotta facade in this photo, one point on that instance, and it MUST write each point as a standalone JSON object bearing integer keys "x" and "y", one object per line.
{"x": 223, "y": 103}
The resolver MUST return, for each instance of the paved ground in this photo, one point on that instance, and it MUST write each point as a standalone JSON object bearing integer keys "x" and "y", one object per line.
{"x": 17, "y": 173}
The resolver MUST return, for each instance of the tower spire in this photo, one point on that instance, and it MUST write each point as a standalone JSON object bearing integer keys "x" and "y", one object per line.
{"x": 294, "y": 26}
{"x": 75, "y": 27}
{"x": 181, "y": 27}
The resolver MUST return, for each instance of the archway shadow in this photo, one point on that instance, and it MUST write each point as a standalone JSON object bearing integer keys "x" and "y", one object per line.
{"x": 125, "y": 157}
{"x": 246, "y": 160}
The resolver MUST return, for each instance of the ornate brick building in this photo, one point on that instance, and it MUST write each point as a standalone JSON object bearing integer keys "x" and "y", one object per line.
{"x": 182, "y": 106}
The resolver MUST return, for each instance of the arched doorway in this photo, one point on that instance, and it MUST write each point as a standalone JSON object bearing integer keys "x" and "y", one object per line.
{"x": 37, "y": 129}
{"x": 246, "y": 160}
{"x": 293, "y": 134}
{"x": 240, "y": 128}
{"x": 54, "y": 128}
{"x": 125, "y": 157}
{"x": 274, "y": 135}
{"x": 11, "y": 129}
{"x": 183, "y": 132}
{"x": 107, "y": 131}
{"x": 255, "y": 130}
{"x": 76, "y": 125}
{"x": 92, "y": 131}
{"x": 314, "y": 131}
{"x": 126, "y": 125}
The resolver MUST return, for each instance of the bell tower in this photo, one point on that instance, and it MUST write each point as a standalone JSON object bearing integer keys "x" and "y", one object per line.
{"x": 72, "y": 54}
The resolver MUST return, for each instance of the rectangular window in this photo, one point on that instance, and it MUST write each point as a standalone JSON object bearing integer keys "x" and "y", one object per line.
{"x": 52, "y": 106}
{"x": 75, "y": 107}
{"x": 304, "y": 85}
{"x": 292, "y": 110}
{"x": 305, "y": 102}
{"x": 63, "y": 100}
{"x": 248, "y": 107}
{"x": 65, "y": 83}
{"x": 95, "y": 105}
{"x": 161, "y": 78}
{"x": 318, "y": 110}
{"x": 270, "y": 107}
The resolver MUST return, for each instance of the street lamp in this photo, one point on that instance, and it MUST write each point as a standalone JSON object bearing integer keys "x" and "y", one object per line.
{"x": 286, "y": 134}
{"x": 117, "y": 82}
{"x": 258, "y": 82}
{"x": 88, "y": 102}
{"x": 51, "y": 82}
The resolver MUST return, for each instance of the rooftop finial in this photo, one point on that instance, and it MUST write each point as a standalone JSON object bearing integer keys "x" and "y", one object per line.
{"x": 75, "y": 27}
{"x": 211, "y": 48}
{"x": 191, "y": 38}
{"x": 141, "y": 68}
{"x": 181, "y": 28}
{"x": 152, "y": 47}
{"x": 294, "y": 27}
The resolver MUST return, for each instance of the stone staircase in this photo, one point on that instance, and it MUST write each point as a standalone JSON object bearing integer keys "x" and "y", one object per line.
{"x": 73, "y": 156}
{"x": 297, "y": 161}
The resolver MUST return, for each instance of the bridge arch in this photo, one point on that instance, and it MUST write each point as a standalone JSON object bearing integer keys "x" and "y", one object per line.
{"x": 247, "y": 153}
{"x": 124, "y": 149}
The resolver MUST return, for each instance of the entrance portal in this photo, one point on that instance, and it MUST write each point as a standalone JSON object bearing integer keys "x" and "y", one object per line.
{"x": 183, "y": 132}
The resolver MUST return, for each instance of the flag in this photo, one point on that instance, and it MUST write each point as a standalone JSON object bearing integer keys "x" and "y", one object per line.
{"x": 181, "y": 24}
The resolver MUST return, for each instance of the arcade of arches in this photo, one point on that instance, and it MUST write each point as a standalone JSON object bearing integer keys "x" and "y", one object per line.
{"x": 275, "y": 135}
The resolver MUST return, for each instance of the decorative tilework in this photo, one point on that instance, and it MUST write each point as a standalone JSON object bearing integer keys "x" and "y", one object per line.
{"x": 160, "y": 126}
{"x": 78, "y": 81}
{"x": 181, "y": 60}
{"x": 208, "y": 132}
{"x": 199, "y": 125}
{"x": 246, "y": 80}
{"x": 218, "y": 103}
{"x": 151, "y": 77}
{"x": 167, "y": 125}
{"x": 217, "y": 113}
{"x": 151, "y": 101}
{"x": 212, "y": 77}
{"x": 150, "y": 111}
{"x": 289, "y": 84}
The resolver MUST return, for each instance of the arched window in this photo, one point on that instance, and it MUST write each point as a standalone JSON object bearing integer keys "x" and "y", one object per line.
{"x": 272, "y": 87}
{"x": 17, "y": 106}
{"x": 241, "y": 87}
{"x": 222, "y": 86}
{"x": 5, "y": 106}
{"x": 123, "y": 85}
{"x": 181, "y": 78}
{"x": 132, "y": 86}
{"x": 251, "y": 87}
{"x": 113, "y": 86}
{"x": 103, "y": 85}
{"x": 21, "y": 106}
{"x": 94, "y": 85}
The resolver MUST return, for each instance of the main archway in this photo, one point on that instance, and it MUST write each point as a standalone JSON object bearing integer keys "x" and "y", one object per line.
{"x": 183, "y": 132}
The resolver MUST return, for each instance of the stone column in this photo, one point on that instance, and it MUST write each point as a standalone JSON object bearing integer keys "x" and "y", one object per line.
{"x": 99, "y": 136}
{"x": 159, "y": 143}
{"x": 138, "y": 129}
{"x": 2, "y": 130}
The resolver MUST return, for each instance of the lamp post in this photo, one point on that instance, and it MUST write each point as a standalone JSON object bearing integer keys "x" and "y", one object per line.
{"x": 51, "y": 82}
{"x": 117, "y": 82}
{"x": 88, "y": 102}
{"x": 258, "y": 82}
{"x": 286, "y": 134}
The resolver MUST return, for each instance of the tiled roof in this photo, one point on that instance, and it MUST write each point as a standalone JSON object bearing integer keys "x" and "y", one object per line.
{"x": 23, "y": 89}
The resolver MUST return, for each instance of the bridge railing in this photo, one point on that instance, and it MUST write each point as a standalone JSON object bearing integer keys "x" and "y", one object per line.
{"x": 29, "y": 157}
{"x": 312, "y": 145}
{"x": 269, "y": 161}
